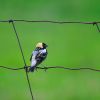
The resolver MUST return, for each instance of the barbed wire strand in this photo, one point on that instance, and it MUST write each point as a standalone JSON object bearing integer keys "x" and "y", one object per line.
{"x": 25, "y": 66}
{"x": 68, "y": 68}
{"x": 54, "y": 67}
{"x": 56, "y": 22}
{"x": 12, "y": 68}
{"x": 50, "y": 21}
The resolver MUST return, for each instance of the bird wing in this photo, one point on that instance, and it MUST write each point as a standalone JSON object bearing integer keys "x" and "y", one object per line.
{"x": 34, "y": 54}
{"x": 42, "y": 54}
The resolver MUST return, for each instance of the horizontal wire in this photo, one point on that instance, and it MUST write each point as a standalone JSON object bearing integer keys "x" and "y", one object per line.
{"x": 53, "y": 67}
{"x": 55, "y": 22}
{"x": 50, "y": 21}
{"x": 11, "y": 68}
{"x": 68, "y": 68}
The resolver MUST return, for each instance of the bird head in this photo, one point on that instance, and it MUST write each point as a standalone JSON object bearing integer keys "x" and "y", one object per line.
{"x": 41, "y": 45}
{"x": 44, "y": 45}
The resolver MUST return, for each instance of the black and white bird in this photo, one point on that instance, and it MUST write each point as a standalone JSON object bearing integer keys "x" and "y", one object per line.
{"x": 38, "y": 56}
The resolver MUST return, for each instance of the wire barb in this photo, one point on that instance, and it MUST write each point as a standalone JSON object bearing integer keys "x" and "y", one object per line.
{"x": 98, "y": 27}
{"x": 95, "y": 23}
{"x": 10, "y": 21}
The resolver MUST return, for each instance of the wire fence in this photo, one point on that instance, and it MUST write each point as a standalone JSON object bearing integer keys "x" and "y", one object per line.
{"x": 43, "y": 68}
{"x": 52, "y": 67}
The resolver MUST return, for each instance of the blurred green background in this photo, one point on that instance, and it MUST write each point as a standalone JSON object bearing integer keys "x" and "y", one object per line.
{"x": 70, "y": 45}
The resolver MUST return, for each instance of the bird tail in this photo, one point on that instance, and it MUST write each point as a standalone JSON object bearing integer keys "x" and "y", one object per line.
{"x": 32, "y": 68}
